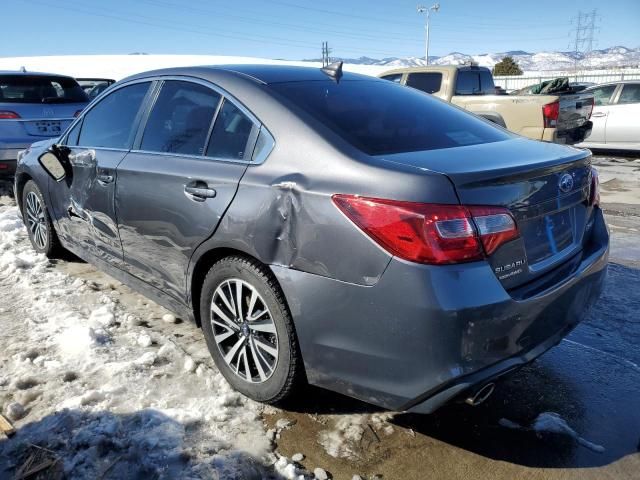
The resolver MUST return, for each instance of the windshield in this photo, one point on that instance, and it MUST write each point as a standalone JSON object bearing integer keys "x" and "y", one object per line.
{"x": 40, "y": 89}
{"x": 380, "y": 117}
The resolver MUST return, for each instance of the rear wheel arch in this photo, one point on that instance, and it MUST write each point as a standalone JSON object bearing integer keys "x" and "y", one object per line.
{"x": 202, "y": 267}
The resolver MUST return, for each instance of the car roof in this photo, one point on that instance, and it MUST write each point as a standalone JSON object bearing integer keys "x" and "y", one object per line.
{"x": 265, "y": 74}
{"x": 31, "y": 74}
{"x": 614, "y": 82}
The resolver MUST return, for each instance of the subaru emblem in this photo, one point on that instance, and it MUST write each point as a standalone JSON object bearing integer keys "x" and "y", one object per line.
{"x": 47, "y": 112}
{"x": 566, "y": 183}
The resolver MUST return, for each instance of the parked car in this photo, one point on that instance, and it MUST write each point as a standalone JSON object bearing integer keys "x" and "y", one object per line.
{"x": 553, "y": 118}
{"x": 339, "y": 229}
{"x": 94, "y": 86}
{"x": 616, "y": 116}
{"x": 34, "y": 106}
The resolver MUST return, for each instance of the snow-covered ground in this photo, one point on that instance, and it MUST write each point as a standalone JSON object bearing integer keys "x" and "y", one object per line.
{"x": 113, "y": 384}
{"x": 117, "y": 387}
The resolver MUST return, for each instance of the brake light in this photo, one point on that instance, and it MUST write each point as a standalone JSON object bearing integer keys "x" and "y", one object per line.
{"x": 8, "y": 115}
{"x": 430, "y": 233}
{"x": 594, "y": 194}
{"x": 550, "y": 113}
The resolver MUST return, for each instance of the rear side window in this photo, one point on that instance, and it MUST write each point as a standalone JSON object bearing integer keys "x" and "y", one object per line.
{"x": 427, "y": 81}
{"x": 383, "y": 118}
{"x": 474, "y": 82}
{"x": 110, "y": 123}
{"x": 231, "y": 134}
{"x": 40, "y": 89}
{"x": 180, "y": 119}
{"x": 602, "y": 95}
{"x": 394, "y": 77}
{"x": 630, "y": 93}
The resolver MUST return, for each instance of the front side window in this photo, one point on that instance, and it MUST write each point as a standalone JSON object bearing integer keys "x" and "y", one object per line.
{"x": 231, "y": 134}
{"x": 383, "y": 118}
{"x": 427, "y": 81}
{"x": 602, "y": 95}
{"x": 630, "y": 93}
{"x": 74, "y": 135}
{"x": 180, "y": 119}
{"x": 110, "y": 124}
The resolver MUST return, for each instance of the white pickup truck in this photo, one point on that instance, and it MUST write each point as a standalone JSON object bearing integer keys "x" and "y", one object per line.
{"x": 561, "y": 118}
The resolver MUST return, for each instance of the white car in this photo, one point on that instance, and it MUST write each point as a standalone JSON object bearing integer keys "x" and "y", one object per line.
{"x": 615, "y": 117}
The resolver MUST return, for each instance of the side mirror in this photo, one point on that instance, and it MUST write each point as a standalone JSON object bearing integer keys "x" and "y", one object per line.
{"x": 53, "y": 166}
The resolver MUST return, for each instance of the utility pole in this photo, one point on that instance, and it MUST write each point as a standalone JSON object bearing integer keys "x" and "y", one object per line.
{"x": 584, "y": 33}
{"x": 427, "y": 11}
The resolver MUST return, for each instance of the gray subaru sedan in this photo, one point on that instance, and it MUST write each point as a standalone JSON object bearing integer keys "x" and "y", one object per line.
{"x": 328, "y": 228}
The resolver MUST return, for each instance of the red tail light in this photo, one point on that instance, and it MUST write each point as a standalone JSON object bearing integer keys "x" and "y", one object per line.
{"x": 550, "y": 113}
{"x": 594, "y": 194}
{"x": 8, "y": 115}
{"x": 430, "y": 233}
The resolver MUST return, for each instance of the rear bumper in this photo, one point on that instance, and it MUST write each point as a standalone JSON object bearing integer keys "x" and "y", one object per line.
{"x": 570, "y": 136}
{"x": 423, "y": 334}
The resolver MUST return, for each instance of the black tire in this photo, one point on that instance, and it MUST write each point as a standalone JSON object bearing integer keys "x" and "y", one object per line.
{"x": 46, "y": 243}
{"x": 287, "y": 373}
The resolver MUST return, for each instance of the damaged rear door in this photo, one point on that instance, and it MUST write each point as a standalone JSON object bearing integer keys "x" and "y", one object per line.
{"x": 175, "y": 186}
{"x": 97, "y": 144}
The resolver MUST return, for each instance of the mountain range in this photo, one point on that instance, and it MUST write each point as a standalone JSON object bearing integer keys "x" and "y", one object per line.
{"x": 606, "y": 58}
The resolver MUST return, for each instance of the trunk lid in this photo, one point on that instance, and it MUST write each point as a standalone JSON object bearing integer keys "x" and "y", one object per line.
{"x": 544, "y": 185}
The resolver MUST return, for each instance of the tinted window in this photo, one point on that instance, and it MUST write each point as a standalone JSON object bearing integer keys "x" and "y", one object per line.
{"x": 395, "y": 77}
{"x": 74, "y": 133}
{"x": 474, "y": 82}
{"x": 630, "y": 93}
{"x": 381, "y": 117}
{"x": 602, "y": 95}
{"x": 110, "y": 123}
{"x": 180, "y": 119}
{"x": 231, "y": 134}
{"x": 40, "y": 89}
{"x": 427, "y": 82}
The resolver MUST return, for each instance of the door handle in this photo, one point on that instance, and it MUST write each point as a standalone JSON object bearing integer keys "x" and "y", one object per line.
{"x": 199, "y": 191}
{"x": 598, "y": 114}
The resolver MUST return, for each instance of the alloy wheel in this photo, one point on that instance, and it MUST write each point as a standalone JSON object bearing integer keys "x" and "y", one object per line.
{"x": 36, "y": 220}
{"x": 244, "y": 330}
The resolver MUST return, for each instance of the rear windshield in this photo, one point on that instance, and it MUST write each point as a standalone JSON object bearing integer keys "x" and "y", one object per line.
{"x": 380, "y": 117}
{"x": 40, "y": 89}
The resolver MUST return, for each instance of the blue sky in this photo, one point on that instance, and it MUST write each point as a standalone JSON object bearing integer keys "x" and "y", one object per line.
{"x": 294, "y": 29}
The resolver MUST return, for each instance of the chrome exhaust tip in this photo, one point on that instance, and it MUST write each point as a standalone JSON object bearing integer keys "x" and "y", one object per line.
{"x": 480, "y": 395}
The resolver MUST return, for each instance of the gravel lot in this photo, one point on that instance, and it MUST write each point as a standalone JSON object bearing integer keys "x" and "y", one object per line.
{"x": 75, "y": 339}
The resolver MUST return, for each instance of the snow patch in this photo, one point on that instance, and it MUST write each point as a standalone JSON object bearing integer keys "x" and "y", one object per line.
{"x": 553, "y": 423}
